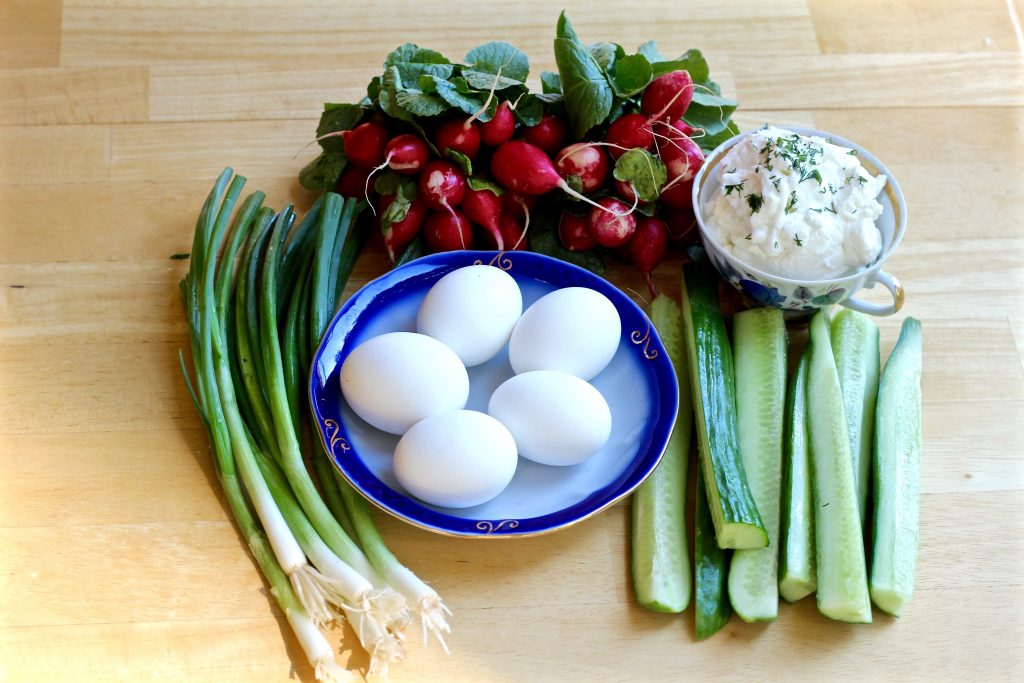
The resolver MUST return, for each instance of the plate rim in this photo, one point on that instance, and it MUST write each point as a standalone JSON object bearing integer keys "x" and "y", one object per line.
{"x": 651, "y": 344}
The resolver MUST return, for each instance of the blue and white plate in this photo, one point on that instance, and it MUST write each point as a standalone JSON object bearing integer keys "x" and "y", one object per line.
{"x": 639, "y": 385}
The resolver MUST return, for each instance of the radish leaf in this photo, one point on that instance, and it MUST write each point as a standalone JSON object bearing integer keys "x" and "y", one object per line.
{"x": 588, "y": 95}
{"x": 644, "y": 171}
{"x": 630, "y": 75}
{"x": 490, "y": 57}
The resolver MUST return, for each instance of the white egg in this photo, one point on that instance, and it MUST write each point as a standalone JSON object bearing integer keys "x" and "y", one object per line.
{"x": 472, "y": 310}
{"x": 556, "y": 418}
{"x": 456, "y": 459}
{"x": 397, "y": 379}
{"x": 574, "y": 330}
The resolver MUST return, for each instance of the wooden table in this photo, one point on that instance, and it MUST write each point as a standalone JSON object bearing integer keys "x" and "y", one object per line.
{"x": 117, "y": 558}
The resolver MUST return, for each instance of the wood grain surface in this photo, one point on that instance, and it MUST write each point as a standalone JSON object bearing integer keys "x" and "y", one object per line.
{"x": 118, "y": 560}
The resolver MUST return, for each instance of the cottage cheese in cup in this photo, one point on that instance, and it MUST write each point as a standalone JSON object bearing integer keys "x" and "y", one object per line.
{"x": 796, "y": 206}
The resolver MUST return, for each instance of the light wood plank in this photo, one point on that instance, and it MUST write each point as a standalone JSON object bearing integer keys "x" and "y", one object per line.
{"x": 54, "y": 154}
{"x": 228, "y": 650}
{"x": 121, "y": 32}
{"x": 152, "y": 230}
{"x": 114, "y": 302}
{"x": 177, "y": 484}
{"x": 93, "y": 388}
{"x": 68, "y": 96}
{"x": 946, "y": 79}
{"x": 193, "y": 151}
{"x": 30, "y": 33}
{"x": 293, "y": 90}
{"x": 160, "y": 571}
{"x": 923, "y": 135}
{"x": 980, "y": 25}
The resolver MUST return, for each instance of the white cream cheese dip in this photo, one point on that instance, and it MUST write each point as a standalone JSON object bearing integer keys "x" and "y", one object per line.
{"x": 796, "y": 206}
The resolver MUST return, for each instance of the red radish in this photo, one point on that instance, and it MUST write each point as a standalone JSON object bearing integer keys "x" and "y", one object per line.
{"x": 513, "y": 232}
{"x": 647, "y": 248}
{"x": 681, "y": 155}
{"x": 352, "y": 182}
{"x": 524, "y": 168}
{"x": 521, "y": 167}
{"x": 518, "y": 204}
{"x": 448, "y": 231}
{"x": 406, "y": 154}
{"x": 685, "y": 128}
{"x": 668, "y": 96}
{"x": 364, "y": 144}
{"x": 398, "y": 235}
{"x": 629, "y": 131}
{"x": 586, "y": 163}
{"x": 625, "y": 190}
{"x": 678, "y": 196}
{"x": 548, "y": 134}
{"x": 484, "y": 208}
{"x": 442, "y": 185}
{"x": 500, "y": 128}
{"x": 572, "y": 231}
{"x": 611, "y": 224}
{"x": 683, "y": 158}
{"x": 682, "y": 225}
{"x": 458, "y": 135}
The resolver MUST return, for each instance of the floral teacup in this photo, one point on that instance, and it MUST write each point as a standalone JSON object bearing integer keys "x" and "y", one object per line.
{"x": 808, "y": 295}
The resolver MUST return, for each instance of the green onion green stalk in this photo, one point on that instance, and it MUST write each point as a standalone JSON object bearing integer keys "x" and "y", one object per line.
{"x": 258, "y": 297}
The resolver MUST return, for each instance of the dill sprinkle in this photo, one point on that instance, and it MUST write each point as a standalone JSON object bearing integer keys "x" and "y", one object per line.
{"x": 738, "y": 187}
{"x": 791, "y": 204}
{"x": 754, "y": 201}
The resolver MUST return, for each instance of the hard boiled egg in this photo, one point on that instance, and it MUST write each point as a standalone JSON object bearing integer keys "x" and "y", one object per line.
{"x": 456, "y": 459}
{"x": 556, "y": 418}
{"x": 574, "y": 330}
{"x": 473, "y": 311}
{"x": 397, "y": 379}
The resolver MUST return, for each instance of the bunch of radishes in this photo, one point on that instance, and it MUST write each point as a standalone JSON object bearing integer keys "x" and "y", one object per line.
{"x": 599, "y": 210}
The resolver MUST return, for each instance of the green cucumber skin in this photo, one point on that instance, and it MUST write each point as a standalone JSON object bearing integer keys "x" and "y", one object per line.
{"x": 796, "y": 548}
{"x": 712, "y": 376}
{"x": 855, "y": 345}
{"x": 710, "y": 568}
{"x": 660, "y": 559}
{"x": 839, "y": 552}
{"x": 759, "y": 343}
{"x": 897, "y": 474}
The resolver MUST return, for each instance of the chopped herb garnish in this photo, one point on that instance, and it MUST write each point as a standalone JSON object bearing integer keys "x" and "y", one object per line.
{"x": 754, "y": 201}
{"x": 748, "y": 235}
{"x": 776, "y": 245}
{"x": 852, "y": 152}
{"x": 831, "y": 208}
{"x": 861, "y": 179}
{"x": 738, "y": 187}
{"x": 799, "y": 242}
{"x": 811, "y": 174}
{"x": 791, "y": 204}
{"x": 733, "y": 170}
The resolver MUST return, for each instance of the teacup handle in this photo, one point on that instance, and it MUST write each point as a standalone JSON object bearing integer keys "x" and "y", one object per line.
{"x": 895, "y": 288}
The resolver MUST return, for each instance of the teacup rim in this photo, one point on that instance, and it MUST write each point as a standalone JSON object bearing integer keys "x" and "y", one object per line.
{"x": 714, "y": 159}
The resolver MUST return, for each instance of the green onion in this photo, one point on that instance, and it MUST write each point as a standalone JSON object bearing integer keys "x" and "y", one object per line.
{"x": 197, "y": 292}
